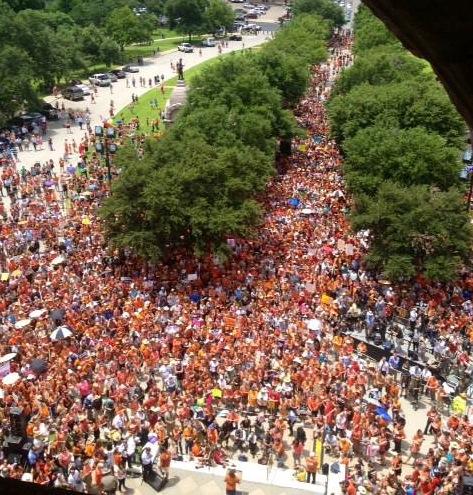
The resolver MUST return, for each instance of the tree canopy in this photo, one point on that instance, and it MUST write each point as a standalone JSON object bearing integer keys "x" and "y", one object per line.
{"x": 327, "y": 9}
{"x": 415, "y": 229}
{"x": 407, "y": 156}
{"x": 402, "y": 140}
{"x": 383, "y": 65}
{"x": 199, "y": 183}
{"x": 411, "y": 103}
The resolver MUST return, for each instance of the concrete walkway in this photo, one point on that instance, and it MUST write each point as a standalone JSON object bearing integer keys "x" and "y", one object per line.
{"x": 121, "y": 96}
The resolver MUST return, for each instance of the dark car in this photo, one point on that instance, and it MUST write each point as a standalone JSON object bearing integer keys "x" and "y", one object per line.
{"x": 235, "y": 37}
{"x": 48, "y": 110}
{"x": 119, "y": 73}
{"x": 73, "y": 93}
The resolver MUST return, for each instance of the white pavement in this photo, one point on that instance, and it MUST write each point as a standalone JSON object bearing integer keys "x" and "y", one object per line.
{"x": 160, "y": 64}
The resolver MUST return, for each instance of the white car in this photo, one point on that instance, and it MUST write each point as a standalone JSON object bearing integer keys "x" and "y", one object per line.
{"x": 85, "y": 88}
{"x": 209, "y": 42}
{"x": 251, "y": 27}
{"x": 185, "y": 47}
{"x": 100, "y": 80}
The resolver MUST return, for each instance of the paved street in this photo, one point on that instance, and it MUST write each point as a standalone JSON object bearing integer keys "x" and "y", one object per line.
{"x": 161, "y": 64}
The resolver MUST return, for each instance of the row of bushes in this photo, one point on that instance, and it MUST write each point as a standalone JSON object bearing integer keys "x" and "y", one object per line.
{"x": 198, "y": 184}
{"x": 402, "y": 140}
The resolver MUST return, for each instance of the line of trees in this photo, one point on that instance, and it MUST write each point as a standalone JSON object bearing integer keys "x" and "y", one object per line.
{"x": 43, "y": 44}
{"x": 199, "y": 184}
{"x": 402, "y": 140}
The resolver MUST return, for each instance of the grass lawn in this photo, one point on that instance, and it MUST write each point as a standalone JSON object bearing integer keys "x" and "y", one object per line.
{"x": 143, "y": 108}
{"x": 158, "y": 45}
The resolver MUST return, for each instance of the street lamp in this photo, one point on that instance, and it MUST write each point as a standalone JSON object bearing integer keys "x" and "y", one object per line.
{"x": 106, "y": 146}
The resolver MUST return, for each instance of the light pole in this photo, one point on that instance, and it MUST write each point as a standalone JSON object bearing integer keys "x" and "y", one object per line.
{"x": 107, "y": 146}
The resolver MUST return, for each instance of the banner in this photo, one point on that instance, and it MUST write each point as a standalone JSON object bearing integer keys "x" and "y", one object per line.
{"x": 4, "y": 369}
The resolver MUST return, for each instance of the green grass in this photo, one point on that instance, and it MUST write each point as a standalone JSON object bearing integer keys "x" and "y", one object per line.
{"x": 143, "y": 109}
{"x": 158, "y": 45}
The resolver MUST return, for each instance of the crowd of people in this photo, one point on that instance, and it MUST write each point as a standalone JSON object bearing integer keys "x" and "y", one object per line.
{"x": 115, "y": 363}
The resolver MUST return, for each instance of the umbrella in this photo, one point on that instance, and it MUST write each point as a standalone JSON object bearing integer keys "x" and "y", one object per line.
{"x": 374, "y": 402}
{"x": 58, "y": 260}
{"x": 48, "y": 183}
{"x": 308, "y": 211}
{"x": 22, "y": 323}
{"x": 37, "y": 313}
{"x": 11, "y": 378}
{"x": 314, "y": 324}
{"x": 38, "y": 366}
{"x": 61, "y": 333}
{"x": 57, "y": 314}
{"x": 7, "y": 357}
{"x": 382, "y": 413}
{"x": 294, "y": 202}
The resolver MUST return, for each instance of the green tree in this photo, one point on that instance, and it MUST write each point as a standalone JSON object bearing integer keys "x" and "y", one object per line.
{"x": 245, "y": 87}
{"x": 326, "y": 9}
{"x": 109, "y": 52}
{"x": 122, "y": 25}
{"x": 381, "y": 65}
{"x": 91, "y": 39}
{"x": 371, "y": 32}
{"x": 414, "y": 230}
{"x": 16, "y": 82}
{"x": 407, "y": 156}
{"x": 218, "y": 14}
{"x": 18, "y": 5}
{"x": 286, "y": 60}
{"x": 412, "y": 103}
{"x": 186, "y": 16}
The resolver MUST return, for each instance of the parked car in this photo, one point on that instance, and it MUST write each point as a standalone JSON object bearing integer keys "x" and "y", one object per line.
{"x": 111, "y": 76}
{"x": 130, "y": 68}
{"x": 235, "y": 37}
{"x": 185, "y": 47}
{"x": 237, "y": 1}
{"x": 121, "y": 74}
{"x": 251, "y": 27}
{"x": 252, "y": 14}
{"x": 49, "y": 111}
{"x": 73, "y": 93}
{"x": 100, "y": 80}
{"x": 209, "y": 42}
{"x": 85, "y": 88}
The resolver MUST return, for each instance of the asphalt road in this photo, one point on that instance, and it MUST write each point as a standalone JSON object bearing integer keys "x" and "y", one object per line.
{"x": 121, "y": 96}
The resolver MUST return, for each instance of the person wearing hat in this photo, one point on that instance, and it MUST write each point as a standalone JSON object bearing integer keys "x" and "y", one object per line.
{"x": 311, "y": 467}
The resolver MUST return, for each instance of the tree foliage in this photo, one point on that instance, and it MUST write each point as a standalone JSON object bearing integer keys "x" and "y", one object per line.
{"x": 186, "y": 16}
{"x": 197, "y": 185}
{"x": 305, "y": 38}
{"x": 402, "y": 140}
{"x": 415, "y": 229}
{"x": 371, "y": 32}
{"x": 218, "y": 14}
{"x": 327, "y": 9}
{"x": 412, "y": 103}
{"x": 383, "y": 65}
{"x": 407, "y": 156}
{"x": 16, "y": 90}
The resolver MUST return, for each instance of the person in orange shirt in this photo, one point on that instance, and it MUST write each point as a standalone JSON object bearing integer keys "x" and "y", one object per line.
{"x": 165, "y": 462}
{"x": 231, "y": 482}
{"x": 311, "y": 467}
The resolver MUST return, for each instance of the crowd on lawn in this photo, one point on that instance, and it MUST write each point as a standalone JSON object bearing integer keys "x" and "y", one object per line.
{"x": 116, "y": 364}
